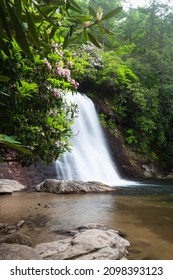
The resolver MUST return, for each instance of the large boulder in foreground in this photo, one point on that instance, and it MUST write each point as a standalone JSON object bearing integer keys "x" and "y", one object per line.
{"x": 90, "y": 242}
{"x": 10, "y": 186}
{"x": 17, "y": 252}
{"x": 65, "y": 187}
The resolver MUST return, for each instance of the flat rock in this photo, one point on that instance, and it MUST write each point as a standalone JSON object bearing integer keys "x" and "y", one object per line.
{"x": 89, "y": 244}
{"x": 17, "y": 252}
{"x": 65, "y": 187}
{"x": 10, "y": 186}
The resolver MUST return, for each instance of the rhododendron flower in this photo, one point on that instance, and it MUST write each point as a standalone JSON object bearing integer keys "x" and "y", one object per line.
{"x": 56, "y": 92}
{"x": 70, "y": 64}
{"x": 67, "y": 72}
{"x": 49, "y": 67}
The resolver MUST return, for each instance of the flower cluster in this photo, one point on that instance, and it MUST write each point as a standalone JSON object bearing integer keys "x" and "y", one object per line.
{"x": 59, "y": 70}
{"x": 56, "y": 92}
{"x": 48, "y": 65}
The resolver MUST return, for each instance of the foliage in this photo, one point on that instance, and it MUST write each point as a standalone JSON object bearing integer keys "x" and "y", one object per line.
{"x": 37, "y": 70}
{"x": 131, "y": 138}
{"x": 35, "y": 109}
{"x": 135, "y": 77}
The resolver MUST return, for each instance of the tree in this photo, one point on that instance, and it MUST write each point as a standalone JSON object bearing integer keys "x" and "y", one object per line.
{"x": 36, "y": 72}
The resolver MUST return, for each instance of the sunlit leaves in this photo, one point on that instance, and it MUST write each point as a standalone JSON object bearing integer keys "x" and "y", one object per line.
{"x": 74, "y": 6}
{"x": 27, "y": 89}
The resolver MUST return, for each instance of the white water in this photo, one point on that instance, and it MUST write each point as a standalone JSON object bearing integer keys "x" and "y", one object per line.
{"x": 90, "y": 159}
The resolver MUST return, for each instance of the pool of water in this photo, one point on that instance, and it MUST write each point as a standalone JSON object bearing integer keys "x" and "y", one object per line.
{"x": 144, "y": 212}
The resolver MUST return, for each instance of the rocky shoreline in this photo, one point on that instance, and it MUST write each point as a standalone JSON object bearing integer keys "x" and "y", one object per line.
{"x": 89, "y": 242}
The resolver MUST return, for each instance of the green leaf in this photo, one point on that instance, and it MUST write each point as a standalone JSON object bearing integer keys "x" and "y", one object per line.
{"x": 4, "y": 93}
{"x": 93, "y": 40}
{"x": 32, "y": 29}
{"x": 20, "y": 35}
{"x": 74, "y": 6}
{"x": 104, "y": 30}
{"x": 92, "y": 12}
{"x": 58, "y": 2}
{"x": 48, "y": 9}
{"x": 4, "y": 78}
{"x": 52, "y": 33}
{"x": 48, "y": 19}
{"x": 70, "y": 41}
{"x": 10, "y": 141}
{"x": 18, "y": 8}
{"x": 4, "y": 22}
{"x": 112, "y": 13}
{"x": 4, "y": 47}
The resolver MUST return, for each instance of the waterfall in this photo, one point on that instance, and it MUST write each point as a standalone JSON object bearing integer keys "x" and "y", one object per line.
{"x": 90, "y": 159}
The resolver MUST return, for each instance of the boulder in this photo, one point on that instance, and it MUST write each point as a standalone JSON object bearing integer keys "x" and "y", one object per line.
{"x": 16, "y": 238}
{"x": 89, "y": 243}
{"x": 2, "y": 226}
{"x": 65, "y": 187}
{"x": 10, "y": 186}
{"x": 17, "y": 252}
{"x": 9, "y": 229}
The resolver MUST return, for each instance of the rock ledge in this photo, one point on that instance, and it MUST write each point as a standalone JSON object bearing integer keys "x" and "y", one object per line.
{"x": 10, "y": 186}
{"x": 65, "y": 187}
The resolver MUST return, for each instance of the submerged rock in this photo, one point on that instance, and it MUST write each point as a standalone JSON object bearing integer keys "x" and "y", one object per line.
{"x": 10, "y": 186}
{"x": 65, "y": 187}
{"x": 89, "y": 243}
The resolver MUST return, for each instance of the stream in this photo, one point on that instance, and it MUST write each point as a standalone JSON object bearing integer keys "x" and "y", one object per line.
{"x": 143, "y": 212}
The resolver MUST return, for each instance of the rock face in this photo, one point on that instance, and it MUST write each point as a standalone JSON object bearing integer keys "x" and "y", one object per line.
{"x": 65, "y": 187}
{"x": 17, "y": 252}
{"x": 88, "y": 243}
{"x": 10, "y": 186}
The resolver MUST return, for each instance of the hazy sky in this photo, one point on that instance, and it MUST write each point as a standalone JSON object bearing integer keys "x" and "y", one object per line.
{"x": 137, "y": 3}
{"x": 134, "y": 3}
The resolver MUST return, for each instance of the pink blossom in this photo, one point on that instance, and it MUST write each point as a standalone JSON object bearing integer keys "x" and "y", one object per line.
{"x": 56, "y": 92}
{"x": 72, "y": 81}
{"x": 67, "y": 72}
{"x": 70, "y": 64}
{"x": 59, "y": 70}
{"x": 49, "y": 67}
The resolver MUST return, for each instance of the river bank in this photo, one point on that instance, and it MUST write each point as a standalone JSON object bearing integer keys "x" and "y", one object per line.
{"x": 142, "y": 212}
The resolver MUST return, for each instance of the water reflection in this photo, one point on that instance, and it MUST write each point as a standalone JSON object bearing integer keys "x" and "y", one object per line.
{"x": 146, "y": 216}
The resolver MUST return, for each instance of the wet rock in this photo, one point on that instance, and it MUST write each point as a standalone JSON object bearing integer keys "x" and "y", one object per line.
{"x": 92, "y": 242}
{"x": 17, "y": 252}
{"x": 149, "y": 170}
{"x": 65, "y": 187}
{"x": 16, "y": 238}
{"x": 86, "y": 227}
{"x": 19, "y": 224}
{"x": 3, "y": 225}
{"x": 10, "y": 186}
{"x": 9, "y": 229}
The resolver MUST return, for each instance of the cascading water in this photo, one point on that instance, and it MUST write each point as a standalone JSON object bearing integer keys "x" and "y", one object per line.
{"x": 89, "y": 159}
